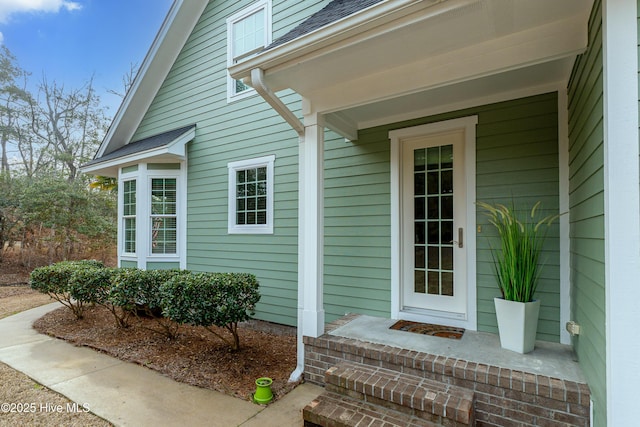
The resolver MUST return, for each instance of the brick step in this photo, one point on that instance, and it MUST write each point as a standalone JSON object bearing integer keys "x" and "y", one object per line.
{"x": 335, "y": 410}
{"x": 415, "y": 396}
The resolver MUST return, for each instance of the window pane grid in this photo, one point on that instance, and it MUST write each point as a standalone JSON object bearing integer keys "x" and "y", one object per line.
{"x": 433, "y": 220}
{"x": 164, "y": 216}
{"x": 247, "y": 35}
{"x": 129, "y": 215}
{"x": 130, "y": 235}
{"x": 251, "y": 196}
{"x": 129, "y": 196}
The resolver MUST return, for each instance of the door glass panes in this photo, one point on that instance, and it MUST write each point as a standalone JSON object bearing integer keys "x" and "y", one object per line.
{"x": 433, "y": 220}
{"x": 251, "y": 196}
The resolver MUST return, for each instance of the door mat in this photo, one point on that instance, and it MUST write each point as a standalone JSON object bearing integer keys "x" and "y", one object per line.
{"x": 428, "y": 329}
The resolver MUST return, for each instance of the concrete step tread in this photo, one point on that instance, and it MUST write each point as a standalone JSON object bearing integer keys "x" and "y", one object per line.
{"x": 335, "y": 410}
{"x": 382, "y": 386}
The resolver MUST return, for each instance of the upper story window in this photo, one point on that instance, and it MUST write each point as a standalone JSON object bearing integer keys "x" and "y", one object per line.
{"x": 248, "y": 32}
{"x": 251, "y": 196}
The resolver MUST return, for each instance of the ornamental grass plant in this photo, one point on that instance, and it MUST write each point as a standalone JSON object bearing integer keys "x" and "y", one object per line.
{"x": 517, "y": 262}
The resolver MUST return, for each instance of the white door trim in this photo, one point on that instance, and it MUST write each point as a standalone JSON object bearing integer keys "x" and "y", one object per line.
{"x": 396, "y": 137}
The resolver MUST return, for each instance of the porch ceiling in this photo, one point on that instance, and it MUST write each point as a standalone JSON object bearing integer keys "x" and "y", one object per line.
{"x": 401, "y": 55}
{"x": 492, "y": 88}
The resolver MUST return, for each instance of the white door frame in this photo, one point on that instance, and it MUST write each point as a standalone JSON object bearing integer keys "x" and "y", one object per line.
{"x": 468, "y": 124}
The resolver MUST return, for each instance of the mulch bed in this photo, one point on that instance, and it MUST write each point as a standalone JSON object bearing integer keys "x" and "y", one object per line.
{"x": 195, "y": 357}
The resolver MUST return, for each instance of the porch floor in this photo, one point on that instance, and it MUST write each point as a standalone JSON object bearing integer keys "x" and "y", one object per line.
{"x": 550, "y": 359}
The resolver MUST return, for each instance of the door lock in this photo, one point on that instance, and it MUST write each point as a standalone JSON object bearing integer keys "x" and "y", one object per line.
{"x": 459, "y": 242}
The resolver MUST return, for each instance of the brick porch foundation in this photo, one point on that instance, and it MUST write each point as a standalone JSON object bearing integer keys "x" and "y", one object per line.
{"x": 502, "y": 397}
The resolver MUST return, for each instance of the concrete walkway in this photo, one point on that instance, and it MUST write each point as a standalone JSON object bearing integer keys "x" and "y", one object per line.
{"x": 130, "y": 395}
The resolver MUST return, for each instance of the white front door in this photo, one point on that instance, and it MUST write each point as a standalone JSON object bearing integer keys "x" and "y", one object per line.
{"x": 435, "y": 213}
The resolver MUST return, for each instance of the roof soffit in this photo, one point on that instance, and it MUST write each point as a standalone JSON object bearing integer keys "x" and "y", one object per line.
{"x": 424, "y": 49}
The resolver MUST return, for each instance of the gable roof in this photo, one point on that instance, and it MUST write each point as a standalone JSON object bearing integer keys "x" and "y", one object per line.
{"x": 171, "y": 38}
{"x": 332, "y": 12}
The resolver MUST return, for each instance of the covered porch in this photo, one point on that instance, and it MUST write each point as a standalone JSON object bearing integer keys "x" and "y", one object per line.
{"x": 404, "y": 68}
{"x": 375, "y": 74}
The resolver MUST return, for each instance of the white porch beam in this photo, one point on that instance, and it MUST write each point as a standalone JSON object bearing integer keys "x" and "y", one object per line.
{"x": 311, "y": 224}
{"x": 621, "y": 208}
{"x": 341, "y": 125}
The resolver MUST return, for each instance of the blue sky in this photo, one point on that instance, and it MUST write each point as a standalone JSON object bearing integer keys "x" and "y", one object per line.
{"x": 69, "y": 41}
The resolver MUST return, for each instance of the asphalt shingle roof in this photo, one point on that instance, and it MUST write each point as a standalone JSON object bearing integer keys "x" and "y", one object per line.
{"x": 332, "y": 12}
{"x": 150, "y": 143}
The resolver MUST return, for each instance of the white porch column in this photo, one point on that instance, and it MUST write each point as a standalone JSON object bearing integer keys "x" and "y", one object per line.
{"x": 622, "y": 209}
{"x": 311, "y": 225}
{"x": 142, "y": 216}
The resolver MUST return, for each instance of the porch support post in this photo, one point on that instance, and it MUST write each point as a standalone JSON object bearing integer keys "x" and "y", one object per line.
{"x": 311, "y": 224}
{"x": 621, "y": 208}
{"x": 142, "y": 216}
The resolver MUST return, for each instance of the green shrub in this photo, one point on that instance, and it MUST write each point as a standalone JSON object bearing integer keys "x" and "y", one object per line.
{"x": 138, "y": 291}
{"x": 54, "y": 280}
{"x": 211, "y": 299}
{"x": 93, "y": 285}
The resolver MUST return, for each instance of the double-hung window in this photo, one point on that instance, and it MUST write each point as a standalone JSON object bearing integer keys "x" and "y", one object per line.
{"x": 248, "y": 32}
{"x": 164, "y": 220}
{"x": 129, "y": 216}
{"x": 251, "y": 196}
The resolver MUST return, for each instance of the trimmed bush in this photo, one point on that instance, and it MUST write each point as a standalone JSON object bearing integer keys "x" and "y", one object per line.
{"x": 54, "y": 280}
{"x": 138, "y": 291}
{"x": 211, "y": 299}
{"x": 93, "y": 285}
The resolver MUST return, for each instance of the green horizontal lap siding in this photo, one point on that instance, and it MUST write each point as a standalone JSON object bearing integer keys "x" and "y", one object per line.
{"x": 586, "y": 205}
{"x": 517, "y": 159}
{"x": 357, "y": 225}
{"x": 158, "y": 265}
{"x": 128, "y": 264}
{"x": 195, "y": 91}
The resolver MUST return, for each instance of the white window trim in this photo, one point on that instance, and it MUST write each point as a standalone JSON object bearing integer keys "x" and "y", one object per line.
{"x": 144, "y": 253}
{"x": 262, "y": 4}
{"x": 233, "y": 167}
{"x": 164, "y": 174}
{"x": 124, "y": 177}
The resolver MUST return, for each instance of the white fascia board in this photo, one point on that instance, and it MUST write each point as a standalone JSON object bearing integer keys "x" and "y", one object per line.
{"x": 173, "y": 34}
{"x": 340, "y": 31}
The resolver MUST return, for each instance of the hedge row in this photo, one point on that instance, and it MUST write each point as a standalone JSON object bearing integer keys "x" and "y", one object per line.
{"x": 171, "y": 297}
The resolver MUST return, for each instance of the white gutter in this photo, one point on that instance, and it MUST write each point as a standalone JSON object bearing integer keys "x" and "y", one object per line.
{"x": 258, "y": 83}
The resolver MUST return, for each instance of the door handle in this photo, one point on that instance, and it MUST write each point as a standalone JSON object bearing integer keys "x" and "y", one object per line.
{"x": 459, "y": 242}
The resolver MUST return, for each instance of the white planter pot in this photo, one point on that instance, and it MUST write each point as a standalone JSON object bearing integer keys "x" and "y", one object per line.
{"x": 517, "y": 323}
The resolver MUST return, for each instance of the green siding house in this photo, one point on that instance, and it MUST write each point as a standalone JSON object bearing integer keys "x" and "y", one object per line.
{"x": 283, "y": 138}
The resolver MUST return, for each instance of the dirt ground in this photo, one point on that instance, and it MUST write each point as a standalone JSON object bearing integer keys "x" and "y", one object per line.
{"x": 195, "y": 357}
